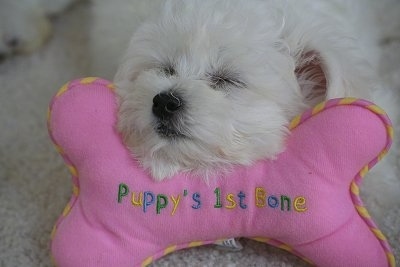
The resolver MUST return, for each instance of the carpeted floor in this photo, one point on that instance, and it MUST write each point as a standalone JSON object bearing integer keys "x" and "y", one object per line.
{"x": 35, "y": 185}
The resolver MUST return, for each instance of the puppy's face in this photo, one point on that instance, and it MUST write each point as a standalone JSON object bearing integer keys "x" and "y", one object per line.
{"x": 206, "y": 86}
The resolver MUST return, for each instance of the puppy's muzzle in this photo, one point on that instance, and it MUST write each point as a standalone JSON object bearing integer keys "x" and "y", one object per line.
{"x": 166, "y": 104}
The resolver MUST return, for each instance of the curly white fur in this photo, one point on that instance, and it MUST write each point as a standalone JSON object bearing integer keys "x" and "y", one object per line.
{"x": 285, "y": 55}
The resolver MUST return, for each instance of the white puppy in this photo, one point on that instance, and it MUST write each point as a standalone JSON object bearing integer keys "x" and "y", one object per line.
{"x": 24, "y": 24}
{"x": 208, "y": 84}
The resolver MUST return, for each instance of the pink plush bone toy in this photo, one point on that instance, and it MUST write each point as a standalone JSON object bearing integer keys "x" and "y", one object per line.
{"x": 306, "y": 201}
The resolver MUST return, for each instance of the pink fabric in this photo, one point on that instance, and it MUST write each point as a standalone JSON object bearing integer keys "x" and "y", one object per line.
{"x": 322, "y": 157}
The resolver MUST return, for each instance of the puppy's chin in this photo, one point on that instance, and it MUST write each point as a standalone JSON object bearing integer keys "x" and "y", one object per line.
{"x": 203, "y": 157}
{"x": 161, "y": 167}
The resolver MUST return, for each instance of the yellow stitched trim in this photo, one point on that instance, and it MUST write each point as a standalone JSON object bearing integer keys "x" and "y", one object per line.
{"x": 59, "y": 149}
{"x": 62, "y": 89}
{"x": 73, "y": 170}
{"x": 53, "y": 232}
{"x": 285, "y": 247}
{"x": 48, "y": 114}
{"x": 390, "y": 131}
{"x": 147, "y": 261}
{"x": 364, "y": 171}
{"x": 376, "y": 109}
{"x": 392, "y": 261}
{"x": 355, "y": 189}
{"x": 195, "y": 244}
{"x": 362, "y": 211}
{"x": 308, "y": 261}
{"x": 88, "y": 80}
{"x": 295, "y": 122}
{"x": 75, "y": 190}
{"x": 53, "y": 261}
{"x": 170, "y": 249}
{"x": 318, "y": 108}
{"x": 261, "y": 239}
{"x": 378, "y": 234}
{"x": 111, "y": 86}
{"x": 382, "y": 154}
{"x": 66, "y": 210}
{"x": 347, "y": 101}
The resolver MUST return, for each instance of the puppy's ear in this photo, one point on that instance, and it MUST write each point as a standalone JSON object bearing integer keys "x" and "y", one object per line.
{"x": 311, "y": 76}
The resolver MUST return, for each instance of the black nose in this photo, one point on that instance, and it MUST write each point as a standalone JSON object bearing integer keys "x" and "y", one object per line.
{"x": 165, "y": 104}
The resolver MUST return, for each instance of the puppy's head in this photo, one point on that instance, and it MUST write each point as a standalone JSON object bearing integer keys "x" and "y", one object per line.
{"x": 209, "y": 84}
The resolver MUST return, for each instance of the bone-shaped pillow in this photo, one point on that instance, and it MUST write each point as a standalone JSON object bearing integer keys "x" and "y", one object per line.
{"x": 306, "y": 201}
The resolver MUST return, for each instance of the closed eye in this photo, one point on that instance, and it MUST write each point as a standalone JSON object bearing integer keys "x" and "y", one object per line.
{"x": 169, "y": 70}
{"x": 223, "y": 79}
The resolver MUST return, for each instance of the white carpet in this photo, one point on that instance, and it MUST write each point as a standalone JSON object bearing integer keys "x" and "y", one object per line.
{"x": 35, "y": 185}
